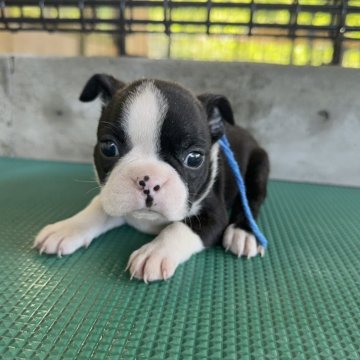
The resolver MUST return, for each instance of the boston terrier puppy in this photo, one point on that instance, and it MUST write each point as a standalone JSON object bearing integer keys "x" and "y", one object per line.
{"x": 160, "y": 170}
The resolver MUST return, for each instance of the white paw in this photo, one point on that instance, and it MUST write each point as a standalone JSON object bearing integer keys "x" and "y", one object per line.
{"x": 241, "y": 243}
{"x": 152, "y": 262}
{"x": 62, "y": 238}
{"x": 159, "y": 259}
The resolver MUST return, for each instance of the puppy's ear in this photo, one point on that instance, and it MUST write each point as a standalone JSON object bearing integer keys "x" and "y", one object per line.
{"x": 103, "y": 85}
{"x": 218, "y": 110}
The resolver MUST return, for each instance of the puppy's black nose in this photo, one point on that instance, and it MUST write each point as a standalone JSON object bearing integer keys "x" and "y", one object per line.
{"x": 149, "y": 201}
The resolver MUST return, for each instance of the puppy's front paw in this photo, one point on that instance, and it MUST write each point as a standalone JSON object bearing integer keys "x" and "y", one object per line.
{"x": 241, "y": 243}
{"x": 152, "y": 262}
{"x": 62, "y": 238}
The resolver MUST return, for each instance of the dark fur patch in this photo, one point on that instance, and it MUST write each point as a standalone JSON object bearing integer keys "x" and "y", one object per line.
{"x": 185, "y": 129}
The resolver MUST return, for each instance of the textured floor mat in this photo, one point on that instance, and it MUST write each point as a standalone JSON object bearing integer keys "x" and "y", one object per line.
{"x": 301, "y": 301}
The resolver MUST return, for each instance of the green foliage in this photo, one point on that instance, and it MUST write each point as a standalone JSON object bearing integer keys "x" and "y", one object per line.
{"x": 237, "y": 46}
{"x": 266, "y": 50}
{"x": 317, "y": 19}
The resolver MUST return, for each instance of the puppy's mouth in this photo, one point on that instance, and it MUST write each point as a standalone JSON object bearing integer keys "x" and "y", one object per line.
{"x": 147, "y": 214}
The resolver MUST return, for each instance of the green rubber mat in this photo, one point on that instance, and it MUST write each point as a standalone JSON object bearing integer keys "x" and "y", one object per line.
{"x": 301, "y": 301}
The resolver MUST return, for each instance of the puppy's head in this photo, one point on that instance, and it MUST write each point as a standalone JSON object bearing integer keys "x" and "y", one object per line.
{"x": 157, "y": 145}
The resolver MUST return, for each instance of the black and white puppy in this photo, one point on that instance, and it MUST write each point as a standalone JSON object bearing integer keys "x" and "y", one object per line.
{"x": 161, "y": 171}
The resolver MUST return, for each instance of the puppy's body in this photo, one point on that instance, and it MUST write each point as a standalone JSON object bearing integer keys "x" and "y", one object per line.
{"x": 160, "y": 169}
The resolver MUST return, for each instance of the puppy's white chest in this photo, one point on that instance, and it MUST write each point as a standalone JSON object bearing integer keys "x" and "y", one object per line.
{"x": 146, "y": 221}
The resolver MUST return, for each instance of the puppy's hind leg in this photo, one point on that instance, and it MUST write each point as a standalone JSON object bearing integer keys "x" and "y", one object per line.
{"x": 238, "y": 237}
{"x": 66, "y": 236}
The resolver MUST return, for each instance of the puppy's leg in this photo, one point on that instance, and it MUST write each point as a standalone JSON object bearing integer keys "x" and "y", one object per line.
{"x": 211, "y": 221}
{"x": 159, "y": 259}
{"x": 66, "y": 236}
{"x": 238, "y": 237}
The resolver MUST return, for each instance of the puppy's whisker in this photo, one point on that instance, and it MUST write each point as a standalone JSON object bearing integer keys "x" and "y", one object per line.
{"x": 85, "y": 181}
{"x": 93, "y": 189}
{"x": 189, "y": 219}
{"x": 198, "y": 219}
{"x": 193, "y": 194}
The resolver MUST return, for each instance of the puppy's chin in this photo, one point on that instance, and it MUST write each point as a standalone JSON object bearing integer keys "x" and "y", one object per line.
{"x": 148, "y": 215}
{"x": 147, "y": 221}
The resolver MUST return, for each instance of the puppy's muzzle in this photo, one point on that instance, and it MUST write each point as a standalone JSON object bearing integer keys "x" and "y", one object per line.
{"x": 145, "y": 184}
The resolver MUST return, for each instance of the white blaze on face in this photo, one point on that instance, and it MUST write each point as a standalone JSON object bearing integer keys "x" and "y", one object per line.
{"x": 122, "y": 195}
{"x": 144, "y": 115}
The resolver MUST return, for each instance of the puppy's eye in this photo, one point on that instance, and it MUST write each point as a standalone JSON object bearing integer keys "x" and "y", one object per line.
{"x": 109, "y": 148}
{"x": 194, "y": 160}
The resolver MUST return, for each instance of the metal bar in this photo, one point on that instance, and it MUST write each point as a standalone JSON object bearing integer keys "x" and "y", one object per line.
{"x": 252, "y": 11}
{"x": 293, "y": 20}
{"x": 167, "y": 17}
{"x": 115, "y": 31}
{"x": 3, "y": 14}
{"x": 208, "y": 16}
{"x": 340, "y": 30}
{"x": 167, "y": 21}
{"x": 81, "y": 7}
{"x": 300, "y": 36}
{"x": 121, "y": 40}
{"x": 140, "y": 3}
{"x": 89, "y": 21}
{"x": 42, "y": 17}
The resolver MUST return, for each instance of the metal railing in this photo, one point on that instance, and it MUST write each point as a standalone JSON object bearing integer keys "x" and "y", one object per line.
{"x": 334, "y": 20}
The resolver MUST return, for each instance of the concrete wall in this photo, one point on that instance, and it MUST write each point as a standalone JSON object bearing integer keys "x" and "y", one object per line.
{"x": 307, "y": 118}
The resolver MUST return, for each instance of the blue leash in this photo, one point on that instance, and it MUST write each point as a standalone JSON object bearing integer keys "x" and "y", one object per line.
{"x": 225, "y": 146}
